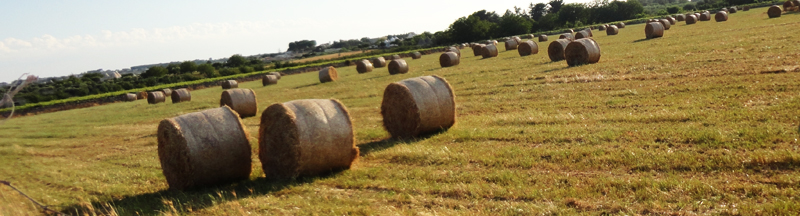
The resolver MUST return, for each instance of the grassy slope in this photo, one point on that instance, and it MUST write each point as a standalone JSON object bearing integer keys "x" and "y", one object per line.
{"x": 685, "y": 123}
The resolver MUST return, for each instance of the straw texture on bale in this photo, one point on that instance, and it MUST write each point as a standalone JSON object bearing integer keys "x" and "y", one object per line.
{"x": 570, "y": 31}
{"x": 398, "y": 66}
{"x": 517, "y": 39}
{"x": 602, "y": 28}
{"x": 229, "y": 84}
{"x": 774, "y": 11}
{"x": 589, "y": 30}
{"x": 732, "y": 10}
{"x": 556, "y": 49}
{"x": 582, "y": 51}
{"x": 166, "y": 91}
{"x": 156, "y": 97}
{"x": 328, "y": 74}
{"x": 181, "y": 95}
{"x": 476, "y": 49}
{"x": 416, "y": 55}
{"x": 418, "y": 106}
{"x": 621, "y": 25}
{"x": 665, "y": 23}
{"x": 204, "y": 148}
{"x": 527, "y": 48}
{"x": 379, "y": 62}
{"x": 612, "y": 30}
{"x": 721, "y": 16}
{"x": 705, "y": 17}
{"x": 276, "y": 74}
{"x": 653, "y": 30}
{"x": 455, "y": 50}
{"x": 787, "y": 6}
{"x": 493, "y": 42}
{"x": 449, "y": 59}
{"x": 129, "y": 97}
{"x": 306, "y": 137}
{"x": 581, "y": 34}
{"x": 680, "y": 17}
{"x": 542, "y": 38}
{"x": 364, "y": 66}
{"x": 243, "y": 101}
{"x": 511, "y": 44}
{"x": 746, "y": 8}
{"x": 567, "y": 36}
{"x": 489, "y": 51}
{"x": 269, "y": 80}
{"x": 691, "y": 19}
{"x": 142, "y": 95}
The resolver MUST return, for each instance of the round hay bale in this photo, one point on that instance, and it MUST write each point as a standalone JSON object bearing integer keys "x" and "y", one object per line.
{"x": 387, "y": 58}
{"x": 229, "y": 84}
{"x": 721, "y": 16}
{"x": 155, "y": 97}
{"x": 418, "y": 106}
{"x": 517, "y": 39}
{"x": 527, "y": 48}
{"x": 588, "y": 30}
{"x": 129, "y": 97}
{"x": 672, "y": 20}
{"x": 774, "y": 11}
{"x": 204, "y": 148}
{"x": 494, "y": 42}
{"x": 724, "y": 9}
{"x": 268, "y": 80}
{"x": 166, "y": 91}
{"x": 621, "y": 25}
{"x": 746, "y": 8}
{"x": 665, "y": 23}
{"x": 328, "y": 74}
{"x": 378, "y": 62}
{"x": 489, "y": 51}
{"x": 567, "y": 36}
{"x": 732, "y": 10}
{"x": 582, "y": 51}
{"x": 705, "y": 17}
{"x": 612, "y": 30}
{"x": 511, "y": 44}
{"x": 787, "y": 6}
{"x": 455, "y": 50}
{"x": 556, "y": 49}
{"x": 653, "y": 30}
{"x": 364, "y": 66}
{"x": 542, "y": 38}
{"x": 697, "y": 15}
{"x": 570, "y": 31}
{"x": 142, "y": 95}
{"x": 398, "y": 66}
{"x": 582, "y": 34}
{"x": 416, "y": 55}
{"x": 243, "y": 101}
{"x": 449, "y": 59}
{"x": 601, "y": 28}
{"x": 680, "y": 17}
{"x": 476, "y": 50}
{"x": 181, "y": 95}
{"x": 691, "y": 19}
{"x": 276, "y": 74}
{"x": 306, "y": 137}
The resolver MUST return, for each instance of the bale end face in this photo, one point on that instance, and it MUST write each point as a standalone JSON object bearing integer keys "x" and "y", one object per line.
{"x": 269, "y": 80}
{"x": 774, "y": 11}
{"x": 489, "y": 51}
{"x": 328, "y": 74}
{"x": 721, "y": 16}
{"x": 654, "y": 30}
{"x": 417, "y": 106}
{"x": 449, "y": 59}
{"x": 691, "y": 19}
{"x": 527, "y": 48}
{"x": 379, "y": 62}
{"x": 398, "y": 66}
{"x": 582, "y": 51}
{"x": 612, "y": 30}
{"x": 243, "y": 101}
{"x": 364, "y": 66}
{"x": 511, "y": 44}
{"x": 556, "y": 49}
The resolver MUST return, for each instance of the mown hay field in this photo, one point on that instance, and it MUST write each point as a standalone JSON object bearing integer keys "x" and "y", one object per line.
{"x": 701, "y": 121}
{"x": 329, "y": 56}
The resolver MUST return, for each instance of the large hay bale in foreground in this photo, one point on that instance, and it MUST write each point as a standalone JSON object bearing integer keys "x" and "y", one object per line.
{"x": 582, "y": 51}
{"x": 511, "y": 44}
{"x": 204, "y": 148}
{"x": 141, "y": 95}
{"x": 476, "y": 49}
{"x": 306, "y": 137}
{"x": 567, "y": 36}
{"x": 542, "y": 38}
{"x": 398, "y": 66}
{"x": 363, "y": 66}
{"x": 556, "y": 49}
{"x": 129, "y": 97}
{"x": 680, "y": 17}
{"x": 229, "y": 84}
{"x": 527, "y": 48}
{"x": 181, "y": 95}
{"x": 243, "y": 101}
{"x": 691, "y": 19}
{"x": 449, "y": 59}
{"x": 455, "y": 50}
{"x": 721, "y": 16}
{"x": 489, "y": 51}
{"x": 155, "y": 97}
{"x": 665, "y": 23}
{"x": 774, "y": 11}
{"x": 269, "y": 80}
{"x": 328, "y": 74}
{"x": 167, "y": 92}
{"x": 416, "y": 55}
{"x": 653, "y": 30}
{"x": 612, "y": 30}
{"x": 378, "y": 62}
{"x": 418, "y": 106}
{"x": 276, "y": 74}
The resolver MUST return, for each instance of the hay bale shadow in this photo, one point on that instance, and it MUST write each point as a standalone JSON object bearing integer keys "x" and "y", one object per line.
{"x": 643, "y": 39}
{"x": 381, "y": 145}
{"x": 309, "y": 85}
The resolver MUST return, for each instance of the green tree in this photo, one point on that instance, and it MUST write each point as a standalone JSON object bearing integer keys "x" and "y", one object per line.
{"x": 207, "y": 70}
{"x": 174, "y": 69}
{"x": 188, "y": 67}
{"x": 555, "y": 6}
{"x": 236, "y": 60}
{"x": 229, "y": 71}
{"x": 472, "y": 28}
{"x": 155, "y": 71}
{"x": 538, "y": 11}
{"x": 513, "y": 24}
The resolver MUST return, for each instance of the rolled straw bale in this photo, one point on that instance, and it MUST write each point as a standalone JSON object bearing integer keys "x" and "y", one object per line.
{"x": 387, "y": 58}
{"x": 155, "y": 97}
{"x": 705, "y": 17}
{"x": 672, "y": 20}
{"x": 204, "y": 148}
{"x": 243, "y": 101}
{"x": 581, "y": 34}
{"x": 528, "y": 48}
{"x": 721, "y": 16}
{"x": 582, "y": 51}
{"x": 269, "y": 80}
{"x": 542, "y": 38}
{"x": 328, "y": 74}
{"x": 732, "y": 10}
{"x": 746, "y": 8}
{"x": 476, "y": 49}
{"x": 379, "y": 62}
{"x": 416, "y": 55}
{"x": 276, "y": 74}
{"x": 556, "y": 49}
{"x": 489, "y": 51}
{"x": 129, "y": 97}
{"x": 691, "y": 19}
{"x": 306, "y": 137}
{"x": 455, "y": 50}
{"x": 787, "y": 6}
{"x": 724, "y": 9}
{"x": 398, "y": 66}
{"x": 612, "y": 30}
{"x": 517, "y": 39}
{"x": 229, "y": 84}
{"x": 698, "y": 16}
{"x": 665, "y": 23}
{"x": 567, "y": 36}
{"x": 706, "y": 12}
{"x": 680, "y": 17}
{"x": 181, "y": 95}
{"x": 511, "y": 44}
{"x": 588, "y": 30}
{"x": 449, "y": 59}
{"x": 570, "y": 31}
{"x": 166, "y": 92}
{"x": 418, "y": 106}
{"x": 494, "y": 42}
{"x": 621, "y": 25}
{"x": 601, "y": 28}
{"x": 774, "y": 11}
{"x": 653, "y": 30}
{"x": 142, "y": 95}
{"x": 364, "y": 66}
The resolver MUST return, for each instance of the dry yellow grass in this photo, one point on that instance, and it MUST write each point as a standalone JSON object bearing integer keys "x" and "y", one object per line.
{"x": 329, "y": 56}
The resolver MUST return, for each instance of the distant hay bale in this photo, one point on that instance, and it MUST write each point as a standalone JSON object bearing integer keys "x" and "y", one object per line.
{"x": 269, "y": 80}
{"x": 449, "y": 59}
{"x": 746, "y": 8}
{"x": 517, "y": 39}
{"x": 489, "y": 51}
{"x": 680, "y": 17}
{"x": 570, "y": 31}
{"x": 582, "y": 34}
{"x": 328, "y": 74}
{"x": 395, "y": 56}
{"x": 621, "y": 25}
{"x": 455, "y": 50}
{"x": 567, "y": 36}
{"x": 141, "y": 95}
{"x": 398, "y": 66}
{"x": 378, "y": 62}
{"x": 129, "y": 97}
{"x": 542, "y": 38}
{"x": 494, "y": 42}
{"x": 204, "y": 148}
{"x": 276, "y": 74}
{"x": 705, "y": 17}
{"x": 665, "y": 23}
{"x": 476, "y": 49}
{"x": 418, "y": 106}
{"x": 671, "y": 20}
{"x": 229, "y": 84}
{"x": 582, "y": 51}
{"x": 166, "y": 91}
{"x": 556, "y": 49}
{"x": 243, "y": 101}
{"x": 774, "y": 11}
{"x": 732, "y": 10}
{"x": 788, "y": 5}
{"x": 724, "y": 9}
{"x": 527, "y": 48}
{"x": 654, "y": 30}
{"x": 691, "y": 19}
{"x": 721, "y": 16}
{"x": 306, "y": 137}
{"x": 416, "y": 55}
{"x": 601, "y": 28}
{"x": 155, "y": 97}
{"x": 181, "y": 95}
{"x": 363, "y": 66}
{"x": 511, "y": 44}
{"x": 612, "y": 30}
{"x": 697, "y": 15}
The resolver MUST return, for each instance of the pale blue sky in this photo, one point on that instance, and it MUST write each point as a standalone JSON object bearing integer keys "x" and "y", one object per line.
{"x": 56, "y": 38}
